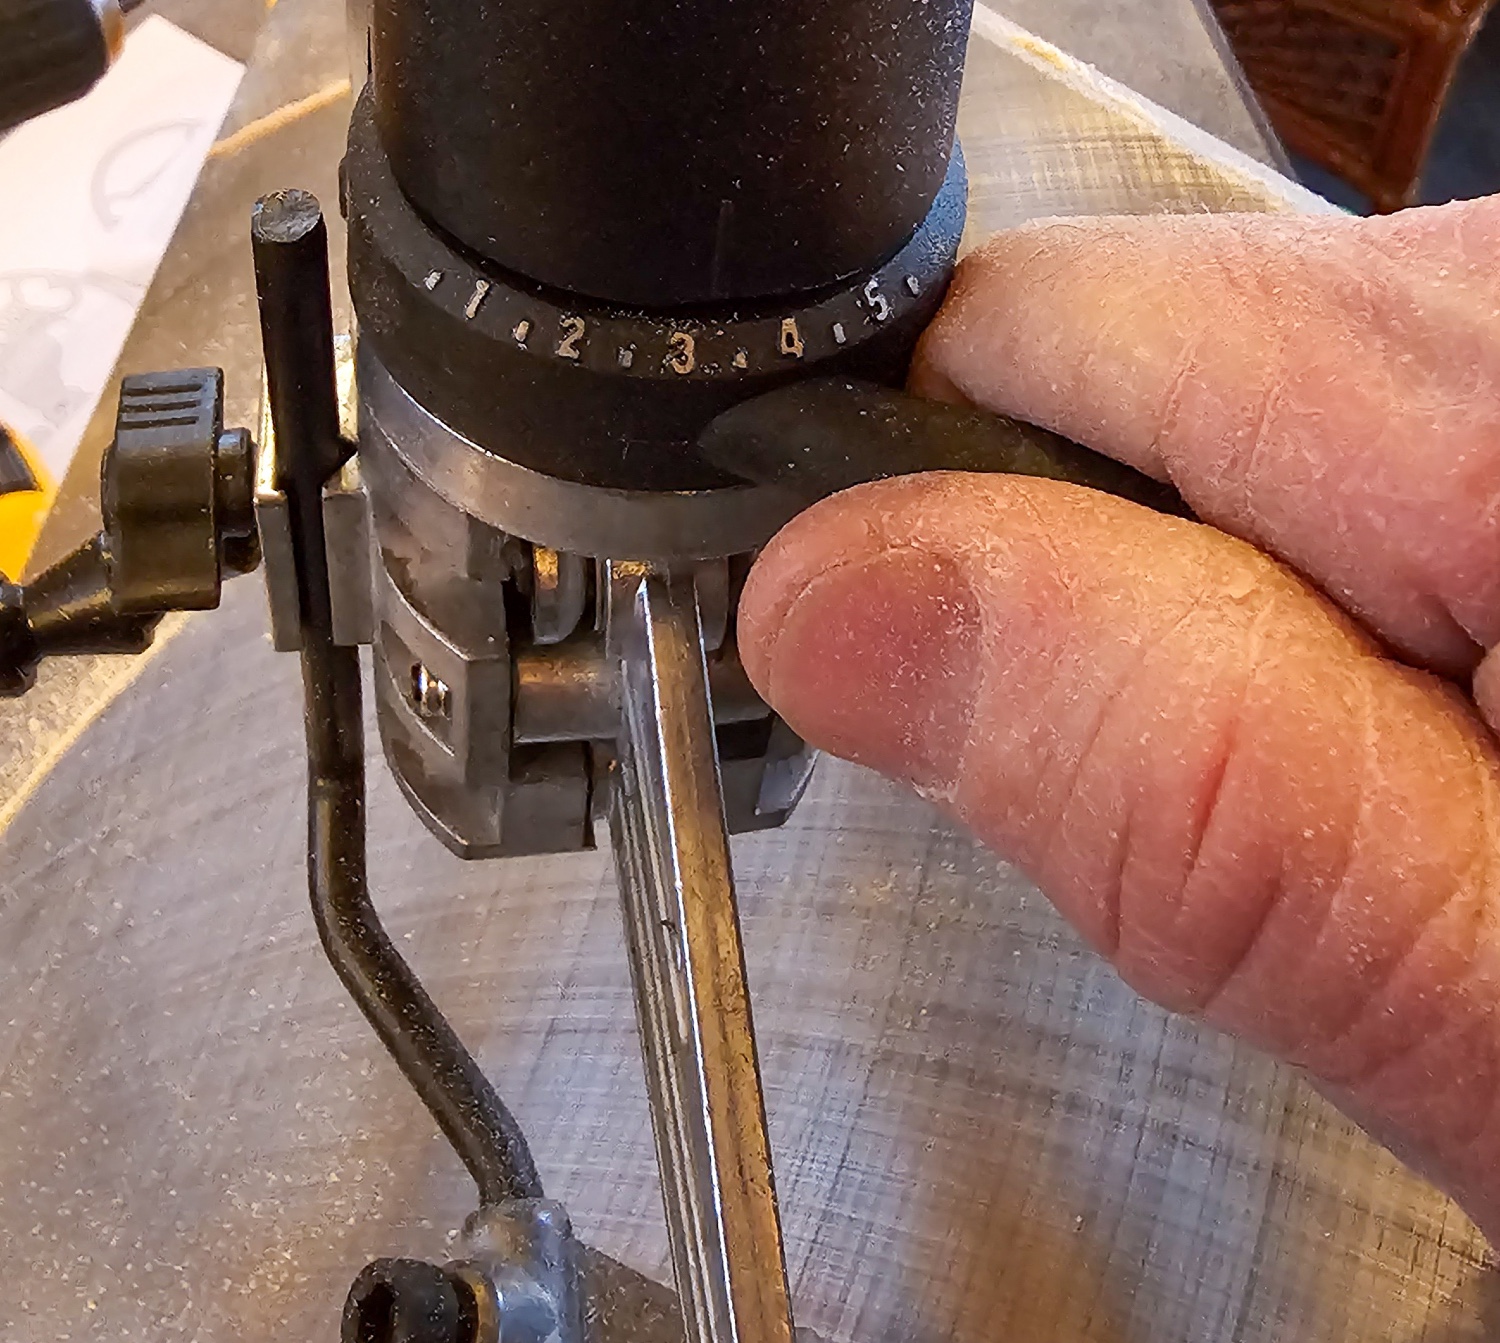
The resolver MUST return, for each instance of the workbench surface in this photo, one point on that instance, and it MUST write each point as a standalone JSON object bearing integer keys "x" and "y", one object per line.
{"x": 980, "y": 1133}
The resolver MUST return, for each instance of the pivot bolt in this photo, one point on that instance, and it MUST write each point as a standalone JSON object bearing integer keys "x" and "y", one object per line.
{"x": 408, "y": 1301}
{"x": 429, "y": 695}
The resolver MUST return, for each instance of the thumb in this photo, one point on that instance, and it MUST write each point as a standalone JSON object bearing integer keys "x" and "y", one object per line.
{"x": 1209, "y": 770}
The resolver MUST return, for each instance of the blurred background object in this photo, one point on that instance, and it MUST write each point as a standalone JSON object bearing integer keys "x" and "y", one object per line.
{"x": 1389, "y": 102}
{"x": 105, "y": 178}
{"x": 53, "y": 51}
{"x": 25, "y": 491}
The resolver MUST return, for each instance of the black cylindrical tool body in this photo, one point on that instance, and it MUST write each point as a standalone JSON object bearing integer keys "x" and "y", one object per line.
{"x": 670, "y": 152}
{"x": 579, "y": 230}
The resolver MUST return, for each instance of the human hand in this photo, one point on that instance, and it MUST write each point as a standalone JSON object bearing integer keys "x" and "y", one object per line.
{"x": 1276, "y": 814}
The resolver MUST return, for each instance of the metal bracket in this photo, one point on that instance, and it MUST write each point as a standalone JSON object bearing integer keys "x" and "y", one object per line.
{"x": 347, "y": 531}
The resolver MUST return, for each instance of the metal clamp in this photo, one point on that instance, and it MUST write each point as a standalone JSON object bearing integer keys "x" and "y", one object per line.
{"x": 522, "y": 1277}
{"x": 346, "y": 528}
{"x": 175, "y": 495}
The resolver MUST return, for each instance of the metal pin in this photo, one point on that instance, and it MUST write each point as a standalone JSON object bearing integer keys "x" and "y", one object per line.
{"x": 289, "y": 242}
{"x": 434, "y": 279}
{"x": 912, "y": 287}
{"x": 429, "y": 694}
{"x": 523, "y": 329}
{"x": 838, "y": 333}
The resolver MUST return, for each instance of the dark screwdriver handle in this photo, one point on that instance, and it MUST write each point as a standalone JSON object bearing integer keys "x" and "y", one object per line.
{"x": 53, "y": 51}
{"x": 818, "y": 437}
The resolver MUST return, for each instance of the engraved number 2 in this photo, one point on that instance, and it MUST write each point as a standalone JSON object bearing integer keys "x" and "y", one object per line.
{"x": 573, "y": 329}
{"x": 683, "y": 356}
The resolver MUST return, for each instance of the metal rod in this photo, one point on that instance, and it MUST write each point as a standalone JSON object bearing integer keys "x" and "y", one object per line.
{"x": 567, "y": 692}
{"x": 289, "y": 241}
{"x": 688, "y": 965}
{"x": 290, "y": 244}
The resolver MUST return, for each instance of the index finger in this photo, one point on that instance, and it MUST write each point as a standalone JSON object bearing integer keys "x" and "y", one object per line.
{"x": 1326, "y": 388}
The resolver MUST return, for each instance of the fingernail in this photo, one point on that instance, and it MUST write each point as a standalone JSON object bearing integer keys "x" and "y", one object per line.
{"x": 928, "y": 380}
{"x": 1487, "y": 689}
{"x": 878, "y": 662}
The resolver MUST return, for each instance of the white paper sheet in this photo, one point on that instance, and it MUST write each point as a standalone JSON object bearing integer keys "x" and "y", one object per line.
{"x": 92, "y": 194}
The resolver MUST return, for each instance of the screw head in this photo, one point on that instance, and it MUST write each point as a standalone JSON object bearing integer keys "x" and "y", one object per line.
{"x": 429, "y": 694}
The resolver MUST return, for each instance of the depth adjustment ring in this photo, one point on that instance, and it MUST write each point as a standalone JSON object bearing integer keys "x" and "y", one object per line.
{"x": 604, "y": 395}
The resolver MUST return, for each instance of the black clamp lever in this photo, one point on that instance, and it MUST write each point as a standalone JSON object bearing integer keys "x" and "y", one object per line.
{"x": 177, "y": 495}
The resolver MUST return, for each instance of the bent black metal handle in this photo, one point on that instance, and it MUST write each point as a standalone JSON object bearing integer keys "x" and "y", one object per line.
{"x": 823, "y": 435}
{"x": 290, "y": 242}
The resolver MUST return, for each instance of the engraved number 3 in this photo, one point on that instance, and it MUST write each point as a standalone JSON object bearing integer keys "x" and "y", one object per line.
{"x": 683, "y": 356}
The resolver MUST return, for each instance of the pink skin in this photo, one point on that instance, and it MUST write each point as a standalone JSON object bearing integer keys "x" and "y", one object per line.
{"x": 1327, "y": 388}
{"x": 1216, "y": 775}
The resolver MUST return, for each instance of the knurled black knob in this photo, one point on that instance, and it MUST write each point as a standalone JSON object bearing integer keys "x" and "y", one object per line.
{"x": 408, "y": 1301}
{"x": 177, "y": 493}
